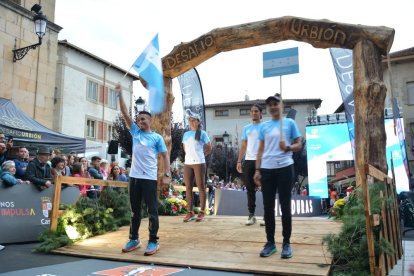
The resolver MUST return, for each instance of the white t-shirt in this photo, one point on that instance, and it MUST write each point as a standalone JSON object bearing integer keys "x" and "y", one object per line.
{"x": 145, "y": 149}
{"x": 250, "y": 133}
{"x": 194, "y": 150}
{"x": 273, "y": 157}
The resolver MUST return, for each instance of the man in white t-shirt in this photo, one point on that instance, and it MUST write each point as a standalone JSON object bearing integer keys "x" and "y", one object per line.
{"x": 146, "y": 145}
{"x": 248, "y": 151}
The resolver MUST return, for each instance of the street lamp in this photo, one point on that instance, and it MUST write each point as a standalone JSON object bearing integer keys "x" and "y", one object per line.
{"x": 140, "y": 103}
{"x": 40, "y": 29}
{"x": 226, "y": 142}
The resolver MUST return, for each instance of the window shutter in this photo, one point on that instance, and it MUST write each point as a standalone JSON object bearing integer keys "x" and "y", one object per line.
{"x": 105, "y": 130}
{"x": 101, "y": 93}
{"x": 99, "y": 135}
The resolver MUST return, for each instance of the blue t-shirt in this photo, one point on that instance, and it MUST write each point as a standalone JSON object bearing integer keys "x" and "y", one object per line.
{"x": 145, "y": 149}
{"x": 273, "y": 157}
{"x": 250, "y": 133}
{"x": 194, "y": 150}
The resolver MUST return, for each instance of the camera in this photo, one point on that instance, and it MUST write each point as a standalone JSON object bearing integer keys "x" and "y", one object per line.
{"x": 9, "y": 138}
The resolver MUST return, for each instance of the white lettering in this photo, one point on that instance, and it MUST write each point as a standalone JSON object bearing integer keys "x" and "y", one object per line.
{"x": 7, "y": 204}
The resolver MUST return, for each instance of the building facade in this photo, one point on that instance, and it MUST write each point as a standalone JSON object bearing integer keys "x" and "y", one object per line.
{"x": 233, "y": 116}
{"x": 401, "y": 81}
{"x": 86, "y": 104}
{"x": 30, "y": 82}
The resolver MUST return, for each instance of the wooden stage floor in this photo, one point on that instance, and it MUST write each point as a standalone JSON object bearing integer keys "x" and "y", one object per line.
{"x": 219, "y": 243}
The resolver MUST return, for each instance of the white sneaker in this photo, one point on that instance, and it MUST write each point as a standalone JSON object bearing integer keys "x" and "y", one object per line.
{"x": 2, "y": 247}
{"x": 251, "y": 220}
{"x": 262, "y": 223}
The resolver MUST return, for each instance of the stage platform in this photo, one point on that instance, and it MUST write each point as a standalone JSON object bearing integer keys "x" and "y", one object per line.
{"x": 220, "y": 243}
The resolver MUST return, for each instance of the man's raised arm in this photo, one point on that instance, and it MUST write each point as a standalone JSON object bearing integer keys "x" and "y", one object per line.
{"x": 124, "y": 109}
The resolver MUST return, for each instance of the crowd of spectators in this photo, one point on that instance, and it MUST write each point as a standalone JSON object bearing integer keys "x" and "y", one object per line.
{"x": 40, "y": 169}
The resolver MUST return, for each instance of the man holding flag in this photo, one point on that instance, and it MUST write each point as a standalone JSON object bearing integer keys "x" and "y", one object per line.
{"x": 146, "y": 145}
{"x": 143, "y": 175}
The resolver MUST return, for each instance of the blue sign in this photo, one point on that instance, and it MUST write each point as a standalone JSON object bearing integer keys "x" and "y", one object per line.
{"x": 282, "y": 62}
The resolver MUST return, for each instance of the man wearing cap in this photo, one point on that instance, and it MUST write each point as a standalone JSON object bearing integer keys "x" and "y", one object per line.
{"x": 275, "y": 173}
{"x": 248, "y": 151}
{"x": 146, "y": 145}
{"x": 38, "y": 170}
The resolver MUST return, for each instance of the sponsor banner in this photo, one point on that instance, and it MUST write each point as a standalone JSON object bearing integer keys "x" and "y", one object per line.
{"x": 24, "y": 211}
{"x": 281, "y": 62}
{"x": 228, "y": 202}
{"x": 399, "y": 131}
{"x": 326, "y": 143}
{"x": 138, "y": 270}
{"x": 192, "y": 96}
{"x": 344, "y": 70}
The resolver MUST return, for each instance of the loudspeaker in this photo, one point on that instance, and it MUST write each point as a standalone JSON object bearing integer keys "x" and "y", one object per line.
{"x": 113, "y": 147}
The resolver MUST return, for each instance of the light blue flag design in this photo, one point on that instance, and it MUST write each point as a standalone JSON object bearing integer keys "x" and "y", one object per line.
{"x": 149, "y": 67}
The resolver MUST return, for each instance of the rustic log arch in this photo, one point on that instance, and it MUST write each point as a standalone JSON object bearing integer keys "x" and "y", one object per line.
{"x": 368, "y": 44}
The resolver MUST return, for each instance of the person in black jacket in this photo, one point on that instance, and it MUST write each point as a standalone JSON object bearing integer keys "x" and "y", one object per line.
{"x": 38, "y": 170}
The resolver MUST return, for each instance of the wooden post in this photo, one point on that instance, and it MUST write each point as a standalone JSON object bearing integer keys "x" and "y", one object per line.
{"x": 161, "y": 124}
{"x": 369, "y": 94}
{"x": 56, "y": 202}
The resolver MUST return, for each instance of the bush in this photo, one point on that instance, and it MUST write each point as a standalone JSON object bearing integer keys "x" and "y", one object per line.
{"x": 87, "y": 218}
{"x": 350, "y": 248}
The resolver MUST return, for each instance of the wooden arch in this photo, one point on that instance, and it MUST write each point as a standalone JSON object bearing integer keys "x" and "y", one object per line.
{"x": 368, "y": 44}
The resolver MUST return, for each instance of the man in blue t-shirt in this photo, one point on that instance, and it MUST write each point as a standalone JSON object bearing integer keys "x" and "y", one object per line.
{"x": 146, "y": 145}
{"x": 248, "y": 152}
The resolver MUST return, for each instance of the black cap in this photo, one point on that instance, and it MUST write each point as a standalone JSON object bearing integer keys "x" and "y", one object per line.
{"x": 273, "y": 98}
{"x": 44, "y": 150}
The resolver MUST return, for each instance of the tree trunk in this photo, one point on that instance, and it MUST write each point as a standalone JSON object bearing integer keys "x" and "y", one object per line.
{"x": 162, "y": 125}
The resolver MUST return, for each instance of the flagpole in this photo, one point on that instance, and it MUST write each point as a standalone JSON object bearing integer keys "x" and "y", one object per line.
{"x": 126, "y": 73}
{"x": 281, "y": 112}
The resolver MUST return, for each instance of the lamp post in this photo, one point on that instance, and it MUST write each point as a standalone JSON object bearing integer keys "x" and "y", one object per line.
{"x": 140, "y": 103}
{"x": 40, "y": 22}
{"x": 226, "y": 142}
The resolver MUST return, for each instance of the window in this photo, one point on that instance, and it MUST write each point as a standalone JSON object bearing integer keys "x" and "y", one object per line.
{"x": 92, "y": 91}
{"x": 244, "y": 111}
{"x": 222, "y": 112}
{"x": 112, "y": 99}
{"x": 90, "y": 128}
{"x": 110, "y": 132}
{"x": 410, "y": 93}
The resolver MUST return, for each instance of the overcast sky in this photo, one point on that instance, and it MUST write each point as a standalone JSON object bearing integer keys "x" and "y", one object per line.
{"x": 119, "y": 30}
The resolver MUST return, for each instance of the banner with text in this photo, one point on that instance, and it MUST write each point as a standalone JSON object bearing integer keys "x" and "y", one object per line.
{"x": 192, "y": 94}
{"x": 342, "y": 62}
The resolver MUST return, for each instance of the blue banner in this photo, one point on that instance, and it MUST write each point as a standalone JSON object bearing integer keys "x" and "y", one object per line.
{"x": 282, "y": 62}
{"x": 330, "y": 142}
{"x": 399, "y": 131}
{"x": 343, "y": 64}
{"x": 192, "y": 96}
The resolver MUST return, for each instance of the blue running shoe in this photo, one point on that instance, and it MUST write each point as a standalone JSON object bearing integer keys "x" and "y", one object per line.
{"x": 286, "y": 251}
{"x": 152, "y": 248}
{"x": 131, "y": 245}
{"x": 268, "y": 249}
